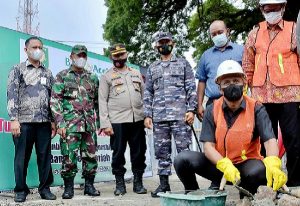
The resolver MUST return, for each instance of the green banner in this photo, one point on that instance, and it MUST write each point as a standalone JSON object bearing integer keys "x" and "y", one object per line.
{"x": 56, "y": 59}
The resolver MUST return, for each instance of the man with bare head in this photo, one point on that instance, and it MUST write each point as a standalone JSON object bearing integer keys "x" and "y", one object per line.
{"x": 222, "y": 50}
{"x": 28, "y": 95}
{"x": 218, "y": 27}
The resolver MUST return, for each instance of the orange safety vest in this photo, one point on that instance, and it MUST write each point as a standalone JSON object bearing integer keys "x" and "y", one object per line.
{"x": 236, "y": 142}
{"x": 275, "y": 57}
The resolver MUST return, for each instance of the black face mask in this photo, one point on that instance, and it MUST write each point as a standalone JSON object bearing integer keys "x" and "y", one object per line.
{"x": 120, "y": 63}
{"x": 165, "y": 49}
{"x": 233, "y": 92}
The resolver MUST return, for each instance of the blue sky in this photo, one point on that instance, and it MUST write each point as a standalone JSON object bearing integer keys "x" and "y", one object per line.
{"x": 67, "y": 20}
{"x": 64, "y": 20}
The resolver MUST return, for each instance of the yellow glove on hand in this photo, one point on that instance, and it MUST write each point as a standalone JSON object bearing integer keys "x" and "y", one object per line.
{"x": 231, "y": 173}
{"x": 275, "y": 176}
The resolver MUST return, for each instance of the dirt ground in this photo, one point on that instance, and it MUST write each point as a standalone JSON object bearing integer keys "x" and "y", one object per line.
{"x": 107, "y": 197}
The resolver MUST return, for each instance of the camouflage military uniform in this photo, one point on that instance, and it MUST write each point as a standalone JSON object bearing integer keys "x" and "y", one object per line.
{"x": 170, "y": 93}
{"x": 74, "y": 104}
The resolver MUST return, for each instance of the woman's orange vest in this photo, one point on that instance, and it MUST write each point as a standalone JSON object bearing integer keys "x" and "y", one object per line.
{"x": 237, "y": 142}
{"x": 275, "y": 57}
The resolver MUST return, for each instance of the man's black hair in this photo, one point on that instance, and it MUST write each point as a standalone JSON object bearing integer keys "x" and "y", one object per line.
{"x": 32, "y": 38}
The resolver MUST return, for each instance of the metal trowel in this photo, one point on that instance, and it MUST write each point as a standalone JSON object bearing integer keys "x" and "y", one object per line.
{"x": 236, "y": 185}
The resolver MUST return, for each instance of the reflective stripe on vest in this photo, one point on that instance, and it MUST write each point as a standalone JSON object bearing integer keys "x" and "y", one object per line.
{"x": 275, "y": 58}
{"x": 236, "y": 142}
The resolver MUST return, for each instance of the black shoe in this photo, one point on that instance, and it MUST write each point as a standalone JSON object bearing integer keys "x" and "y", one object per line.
{"x": 69, "y": 188}
{"x": 20, "y": 196}
{"x": 47, "y": 195}
{"x": 120, "y": 186}
{"x": 138, "y": 186}
{"x": 89, "y": 188}
{"x": 163, "y": 187}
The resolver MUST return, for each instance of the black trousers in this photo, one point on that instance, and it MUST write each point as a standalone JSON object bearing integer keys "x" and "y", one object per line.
{"x": 38, "y": 134}
{"x": 134, "y": 135}
{"x": 287, "y": 114}
{"x": 189, "y": 163}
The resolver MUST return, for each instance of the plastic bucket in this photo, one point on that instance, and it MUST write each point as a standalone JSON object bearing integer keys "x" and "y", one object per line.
{"x": 195, "y": 198}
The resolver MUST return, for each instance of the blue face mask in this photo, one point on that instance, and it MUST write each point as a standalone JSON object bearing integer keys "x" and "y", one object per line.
{"x": 220, "y": 40}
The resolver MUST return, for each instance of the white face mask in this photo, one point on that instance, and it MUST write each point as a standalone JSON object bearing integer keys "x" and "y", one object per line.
{"x": 80, "y": 62}
{"x": 220, "y": 40}
{"x": 36, "y": 54}
{"x": 273, "y": 17}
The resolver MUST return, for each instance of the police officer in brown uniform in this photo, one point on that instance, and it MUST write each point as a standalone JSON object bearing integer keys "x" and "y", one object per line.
{"x": 121, "y": 117}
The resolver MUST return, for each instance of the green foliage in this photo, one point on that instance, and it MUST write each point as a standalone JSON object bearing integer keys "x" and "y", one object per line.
{"x": 122, "y": 18}
{"x": 133, "y": 22}
{"x": 238, "y": 20}
{"x": 200, "y": 21}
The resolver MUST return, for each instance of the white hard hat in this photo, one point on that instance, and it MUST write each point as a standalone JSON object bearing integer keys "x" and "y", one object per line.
{"x": 229, "y": 67}
{"x": 262, "y": 2}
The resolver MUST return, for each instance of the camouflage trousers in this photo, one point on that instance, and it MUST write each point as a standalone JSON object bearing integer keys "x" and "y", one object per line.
{"x": 162, "y": 134}
{"x": 85, "y": 143}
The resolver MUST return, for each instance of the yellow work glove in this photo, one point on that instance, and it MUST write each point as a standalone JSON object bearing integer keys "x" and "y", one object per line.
{"x": 275, "y": 176}
{"x": 231, "y": 173}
